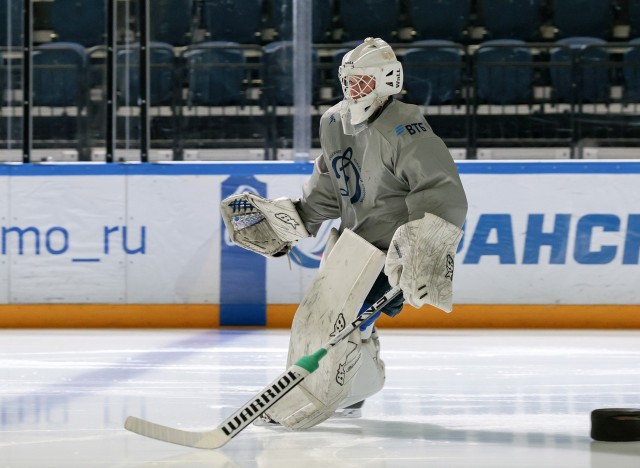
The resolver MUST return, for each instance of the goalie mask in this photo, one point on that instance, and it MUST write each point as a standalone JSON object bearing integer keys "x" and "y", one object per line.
{"x": 368, "y": 75}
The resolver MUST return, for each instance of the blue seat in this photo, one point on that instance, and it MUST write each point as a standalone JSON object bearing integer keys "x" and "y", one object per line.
{"x": 82, "y": 22}
{"x": 504, "y": 72}
{"x": 440, "y": 19}
{"x": 171, "y": 21}
{"x": 634, "y": 19}
{"x": 585, "y": 54}
{"x": 432, "y": 72}
{"x": 215, "y": 74}
{"x": 278, "y": 80}
{"x": 369, "y": 18}
{"x": 232, "y": 21}
{"x": 11, "y": 38}
{"x": 162, "y": 70}
{"x": 512, "y": 19}
{"x": 11, "y": 16}
{"x": 282, "y": 19}
{"x": 587, "y": 18}
{"x": 631, "y": 71}
{"x": 60, "y": 75}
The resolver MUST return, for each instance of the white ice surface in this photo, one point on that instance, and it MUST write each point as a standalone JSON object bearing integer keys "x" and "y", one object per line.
{"x": 452, "y": 399}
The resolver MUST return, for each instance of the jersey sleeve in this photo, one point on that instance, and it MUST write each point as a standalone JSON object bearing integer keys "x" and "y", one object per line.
{"x": 434, "y": 183}
{"x": 319, "y": 200}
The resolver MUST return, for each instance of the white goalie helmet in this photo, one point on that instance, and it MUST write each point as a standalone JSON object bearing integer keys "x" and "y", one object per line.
{"x": 368, "y": 75}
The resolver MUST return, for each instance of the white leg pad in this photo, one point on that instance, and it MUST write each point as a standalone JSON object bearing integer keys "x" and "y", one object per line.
{"x": 333, "y": 300}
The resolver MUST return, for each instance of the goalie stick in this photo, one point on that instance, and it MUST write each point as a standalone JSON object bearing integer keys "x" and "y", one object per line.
{"x": 260, "y": 403}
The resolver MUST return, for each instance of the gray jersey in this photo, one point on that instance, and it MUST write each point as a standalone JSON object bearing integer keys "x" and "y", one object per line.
{"x": 394, "y": 171}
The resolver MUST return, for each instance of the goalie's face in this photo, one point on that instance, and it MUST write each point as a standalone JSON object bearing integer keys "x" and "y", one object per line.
{"x": 358, "y": 86}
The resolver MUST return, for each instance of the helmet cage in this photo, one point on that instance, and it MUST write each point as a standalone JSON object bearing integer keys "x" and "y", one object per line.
{"x": 356, "y": 87}
{"x": 386, "y": 80}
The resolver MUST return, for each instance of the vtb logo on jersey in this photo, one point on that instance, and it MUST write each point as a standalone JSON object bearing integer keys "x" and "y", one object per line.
{"x": 347, "y": 172}
{"x": 411, "y": 128}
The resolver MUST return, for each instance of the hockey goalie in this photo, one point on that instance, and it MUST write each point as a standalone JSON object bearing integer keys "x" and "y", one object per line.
{"x": 396, "y": 190}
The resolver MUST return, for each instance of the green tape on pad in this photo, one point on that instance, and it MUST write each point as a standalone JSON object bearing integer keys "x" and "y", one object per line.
{"x": 310, "y": 362}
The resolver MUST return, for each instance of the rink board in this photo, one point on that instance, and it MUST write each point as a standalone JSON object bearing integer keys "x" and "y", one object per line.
{"x": 546, "y": 244}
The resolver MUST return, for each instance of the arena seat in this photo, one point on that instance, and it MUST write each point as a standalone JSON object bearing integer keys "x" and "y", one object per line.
{"x": 631, "y": 71}
{"x": 504, "y": 72}
{"x": 512, "y": 19}
{"x": 162, "y": 75}
{"x": 432, "y": 72}
{"x": 60, "y": 75}
{"x": 215, "y": 73}
{"x": 11, "y": 15}
{"x": 282, "y": 19}
{"x": 233, "y": 21}
{"x": 368, "y": 18}
{"x": 634, "y": 19}
{"x": 278, "y": 82}
{"x": 171, "y": 21}
{"x": 80, "y": 22}
{"x": 587, "y": 56}
{"x": 587, "y": 18}
{"x": 440, "y": 19}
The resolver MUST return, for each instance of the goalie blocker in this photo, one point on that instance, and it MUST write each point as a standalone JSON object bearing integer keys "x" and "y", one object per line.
{"x": 267, "y": 227}
{"x": 421, "y": 260}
